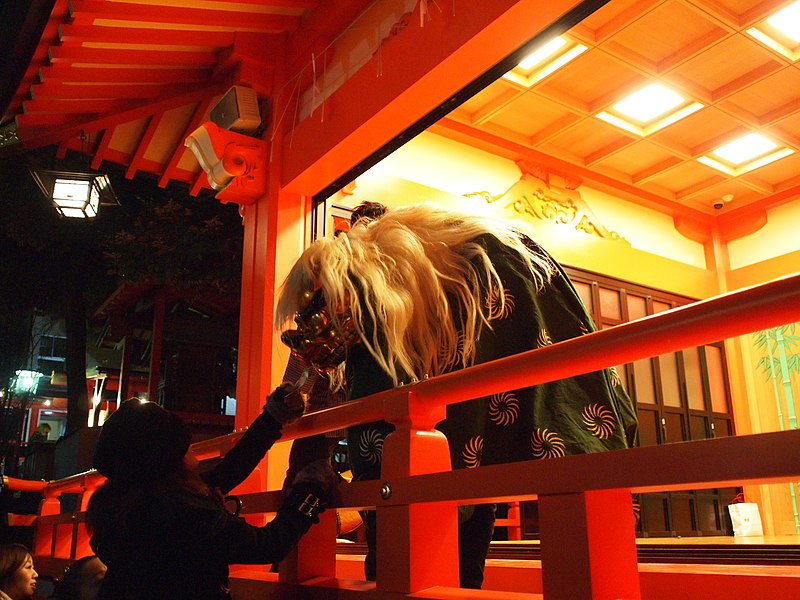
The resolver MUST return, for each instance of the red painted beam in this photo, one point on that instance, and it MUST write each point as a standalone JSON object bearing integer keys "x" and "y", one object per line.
{"x": 89, "y": 106}
{"x": 150, "y": 57}
{"x": 70, "y": 35}
{"x": 64, "y": 72}
{"x": 35, "y": 136}
{"x": 143, "y": 144}
{"x": 59, "y": 90}
{"x": 84, "y": 12}
{"x": 171, "y": 169}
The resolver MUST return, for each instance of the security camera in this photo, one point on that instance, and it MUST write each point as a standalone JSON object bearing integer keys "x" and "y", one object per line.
{"x": 721, "y": 202}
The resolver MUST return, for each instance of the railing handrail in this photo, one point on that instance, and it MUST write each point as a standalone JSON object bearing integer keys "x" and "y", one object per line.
{"x": 24, "y": 485}
{"x": 700, "y": 464}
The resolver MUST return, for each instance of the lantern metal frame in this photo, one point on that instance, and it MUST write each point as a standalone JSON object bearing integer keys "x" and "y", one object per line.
{"x": 75, "y": 194}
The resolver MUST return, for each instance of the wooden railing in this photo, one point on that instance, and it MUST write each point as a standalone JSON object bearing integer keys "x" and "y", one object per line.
{"x": 585, "y": 510}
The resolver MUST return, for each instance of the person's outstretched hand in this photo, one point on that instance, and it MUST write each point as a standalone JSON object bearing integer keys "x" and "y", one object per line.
{"x": 320, "y": 472}
{"x": 285, "y": 404}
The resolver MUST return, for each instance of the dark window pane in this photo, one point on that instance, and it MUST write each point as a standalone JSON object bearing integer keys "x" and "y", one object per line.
{"x": 649, "y": 424}
{"x": 675, "y": 430}
{"x": 698, "y": 428}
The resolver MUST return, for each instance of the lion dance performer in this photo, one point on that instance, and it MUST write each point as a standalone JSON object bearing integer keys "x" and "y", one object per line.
{"x": 425, "y": 290}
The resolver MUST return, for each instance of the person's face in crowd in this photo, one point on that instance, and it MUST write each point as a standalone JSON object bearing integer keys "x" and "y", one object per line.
{"x": 23, "y": 583}
{"x": 92, "y": 576}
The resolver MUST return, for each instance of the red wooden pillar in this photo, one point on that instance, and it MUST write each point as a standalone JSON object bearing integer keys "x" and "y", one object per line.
{"x": 589, "y": 546}
{"x": 417, "y": 545}
{"x": 274, "y": 236}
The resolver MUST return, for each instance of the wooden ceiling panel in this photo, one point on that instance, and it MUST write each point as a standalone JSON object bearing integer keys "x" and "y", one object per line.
{"x": 483, "y": 106}
{"x": 638, "y": 158}
{"x": 789, "y": 128}
{"x": 768, "y": 100}
{"x": 780, "y": 172}
{"x": 685, "y": 175}
{"x": 611, "y": 18}
{"x": 708, "y": 126}
{"x": 532, "y": 116}
{"x": 727, "y": 67}
{"x": 590, "y": 82}
{"x": 740, "y": 13}
{"x": 652, "y": 41}
{"x": 593, "y": 136}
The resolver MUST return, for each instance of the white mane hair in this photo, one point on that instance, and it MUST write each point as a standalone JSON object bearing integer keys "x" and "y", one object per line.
{"x": 416, "y": 284}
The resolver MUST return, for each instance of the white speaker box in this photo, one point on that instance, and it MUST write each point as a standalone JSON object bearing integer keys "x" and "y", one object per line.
{"x": 237, "y": 110}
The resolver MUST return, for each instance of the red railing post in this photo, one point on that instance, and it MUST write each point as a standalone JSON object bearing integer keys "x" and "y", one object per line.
{"x": 417, "y": 544}
{"x": 588, "y": 546}
{"x": 315, "y": 555}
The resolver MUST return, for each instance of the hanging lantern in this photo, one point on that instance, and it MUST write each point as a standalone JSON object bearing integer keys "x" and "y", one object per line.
{"x": 75, "y": 194}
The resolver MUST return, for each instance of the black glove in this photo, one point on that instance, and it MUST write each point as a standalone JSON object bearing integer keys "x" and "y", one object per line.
{"x": 308, "y": 498}
{"x": 313, "y": 489}
{"x": 285, "y": 404}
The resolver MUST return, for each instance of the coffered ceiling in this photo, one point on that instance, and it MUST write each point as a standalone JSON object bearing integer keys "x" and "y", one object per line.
{"x": 702, "y": 50}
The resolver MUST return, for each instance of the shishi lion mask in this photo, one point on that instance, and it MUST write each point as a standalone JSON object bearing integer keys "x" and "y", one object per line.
{"x": 318, "y": 340}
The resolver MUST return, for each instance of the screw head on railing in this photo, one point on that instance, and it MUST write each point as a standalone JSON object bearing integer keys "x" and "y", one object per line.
{"x": 386, "y": 491}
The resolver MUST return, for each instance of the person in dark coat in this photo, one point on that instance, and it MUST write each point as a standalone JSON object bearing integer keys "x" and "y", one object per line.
{"x": 162, "y": 530}
{"x": 425, "y": 290}
{"x": 82, "y": 580}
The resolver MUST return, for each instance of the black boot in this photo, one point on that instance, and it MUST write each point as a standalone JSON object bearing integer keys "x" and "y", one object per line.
{"x": 474, "y": 535}
{"x": 370, "y": 561}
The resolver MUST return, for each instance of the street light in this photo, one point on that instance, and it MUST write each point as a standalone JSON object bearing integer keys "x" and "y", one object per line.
{"x": 26, "y": 382}
{"x": 75, "y": 194}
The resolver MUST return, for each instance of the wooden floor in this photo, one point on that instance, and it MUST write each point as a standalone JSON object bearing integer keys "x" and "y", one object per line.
{"x": 780, "y": 540}
{"x": 692, "y": 568}
{"x": 724, "y": 550}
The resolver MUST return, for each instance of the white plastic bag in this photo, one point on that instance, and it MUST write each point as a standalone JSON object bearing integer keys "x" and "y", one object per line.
{"x": 746, "y": 519}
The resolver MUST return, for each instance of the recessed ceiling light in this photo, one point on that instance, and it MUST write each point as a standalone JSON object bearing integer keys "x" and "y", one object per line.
{"x": 745, "y": 148}
{"x": 787, "y": 21}
{"x": 536, "y": 57}
{"x": 648, "y": 103}
{"x": 545, "y": 60}
{"x": 745, "y": 154}
{"x": 649, "y": 109}
{"x": 780, "y": 31}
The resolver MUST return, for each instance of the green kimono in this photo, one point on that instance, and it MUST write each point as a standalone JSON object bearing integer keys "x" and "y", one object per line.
{"x": 586, "y": 413}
